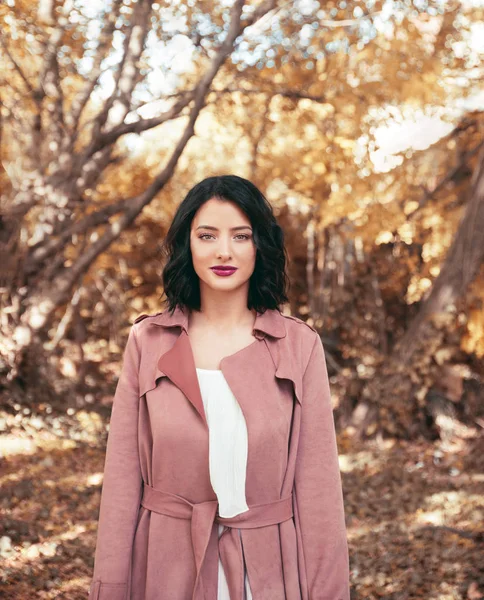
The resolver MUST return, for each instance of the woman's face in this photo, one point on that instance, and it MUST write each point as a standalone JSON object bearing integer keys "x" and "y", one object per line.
{"x": 221, "y": 235}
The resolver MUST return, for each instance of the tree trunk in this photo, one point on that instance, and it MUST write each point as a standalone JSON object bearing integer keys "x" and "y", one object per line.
{"x": 390, "y": 403}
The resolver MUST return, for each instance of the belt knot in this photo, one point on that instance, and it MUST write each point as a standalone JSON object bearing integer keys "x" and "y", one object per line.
{"x": 203, "y": 515}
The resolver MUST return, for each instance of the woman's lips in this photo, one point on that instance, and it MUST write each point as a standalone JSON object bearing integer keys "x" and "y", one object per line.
{"x": 223, "y": 272}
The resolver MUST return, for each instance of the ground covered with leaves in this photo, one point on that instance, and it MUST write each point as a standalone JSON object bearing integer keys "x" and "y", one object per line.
{"x": 414, "y": 510}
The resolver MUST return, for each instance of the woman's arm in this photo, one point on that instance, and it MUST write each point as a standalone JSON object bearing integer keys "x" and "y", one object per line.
{"x": 121, "y": 490}
{"x": 318, "y": 504}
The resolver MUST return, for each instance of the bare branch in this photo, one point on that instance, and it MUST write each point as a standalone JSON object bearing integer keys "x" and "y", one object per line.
{"x": 114, "y": 134}
{"x": 186, "y": 96}
{"x": 127, "y": 77}
{"x": 347, "y": 22}
{"x": 285, "y": 93}
{"x": 35, "y": 125}
{"x": 41, "y": 252}
{"x": 13, "y": 113}
{"x": 106, "y": 39}
{"x": 128, "y": 74}
{"x": 261, "y": 12}
{"x": 17, "y": 67}
{"x": 52, "y": 47}
{"x": 53, "y": 88}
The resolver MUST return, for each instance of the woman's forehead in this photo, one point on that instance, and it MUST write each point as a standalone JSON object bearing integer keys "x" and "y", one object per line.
{"x": 220, "y": 215}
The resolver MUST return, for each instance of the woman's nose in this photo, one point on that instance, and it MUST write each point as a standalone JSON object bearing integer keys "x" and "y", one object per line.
{"x": 223, "y": 248}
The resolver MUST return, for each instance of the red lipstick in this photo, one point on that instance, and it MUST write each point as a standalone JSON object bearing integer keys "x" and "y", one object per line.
{"x": 223, "y": 270}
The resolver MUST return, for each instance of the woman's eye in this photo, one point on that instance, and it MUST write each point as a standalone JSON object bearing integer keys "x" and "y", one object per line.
{"x": 240, "y": 235}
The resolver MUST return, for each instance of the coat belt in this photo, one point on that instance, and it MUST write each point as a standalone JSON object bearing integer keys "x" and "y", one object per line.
{"x": 203, "y": 515}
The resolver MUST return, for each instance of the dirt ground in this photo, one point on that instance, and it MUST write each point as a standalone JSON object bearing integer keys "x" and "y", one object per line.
{"x": 414, "y": 510}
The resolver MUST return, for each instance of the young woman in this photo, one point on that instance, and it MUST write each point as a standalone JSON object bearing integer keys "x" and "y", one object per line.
{"x": 221, "y": 478}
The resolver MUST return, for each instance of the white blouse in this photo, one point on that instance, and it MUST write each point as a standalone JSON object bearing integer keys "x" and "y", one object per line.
{"x": 228, "y": 447}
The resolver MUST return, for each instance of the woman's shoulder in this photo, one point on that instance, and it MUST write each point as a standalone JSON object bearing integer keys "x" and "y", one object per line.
{"x": 142, "y": 325}
{"x": 300, "y": 340}
{"x": 147, "y": 316}
{"x": 152, "y": 331}
{"x": 298, "y": 326}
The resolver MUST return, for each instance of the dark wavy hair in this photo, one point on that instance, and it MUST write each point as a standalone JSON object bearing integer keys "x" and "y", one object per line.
{"x": 269, "y": 281}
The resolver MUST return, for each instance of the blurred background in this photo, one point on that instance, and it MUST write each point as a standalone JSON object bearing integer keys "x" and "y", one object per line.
{"x": 363, "y": 123}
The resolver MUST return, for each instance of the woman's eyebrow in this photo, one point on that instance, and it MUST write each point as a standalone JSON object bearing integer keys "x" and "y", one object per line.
{"x": 216, "y": 229}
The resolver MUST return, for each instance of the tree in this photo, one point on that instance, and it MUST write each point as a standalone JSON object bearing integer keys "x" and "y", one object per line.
{"x": 67, "y": 138}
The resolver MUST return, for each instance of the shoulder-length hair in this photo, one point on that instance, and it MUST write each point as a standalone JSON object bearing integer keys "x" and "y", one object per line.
{"x": 269, "y": 281}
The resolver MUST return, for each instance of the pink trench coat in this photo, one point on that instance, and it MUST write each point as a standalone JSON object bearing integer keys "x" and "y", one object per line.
{"x": 158, "y": 521}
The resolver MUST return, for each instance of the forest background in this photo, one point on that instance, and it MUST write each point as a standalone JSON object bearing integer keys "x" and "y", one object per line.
{"x": 362, "y": 122}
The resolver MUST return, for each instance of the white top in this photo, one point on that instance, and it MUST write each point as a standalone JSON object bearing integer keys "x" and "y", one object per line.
{"x": 228, "y": 447}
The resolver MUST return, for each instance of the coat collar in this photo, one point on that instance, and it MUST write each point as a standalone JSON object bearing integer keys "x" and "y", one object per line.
{"x": 271, "y": 322}
{"x": 177, "y": 363}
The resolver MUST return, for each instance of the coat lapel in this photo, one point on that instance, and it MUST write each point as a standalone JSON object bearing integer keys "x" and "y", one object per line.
{"x": 286, "y": 365}
{"x": 178, "y": 364}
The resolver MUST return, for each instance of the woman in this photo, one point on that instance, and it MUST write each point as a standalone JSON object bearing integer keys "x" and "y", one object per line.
{"x": 221, "y": 478}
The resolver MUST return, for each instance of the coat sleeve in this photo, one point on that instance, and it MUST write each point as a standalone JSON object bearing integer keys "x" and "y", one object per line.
{"x": 318, "y": 503}
{"x": 121, "y": 489}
